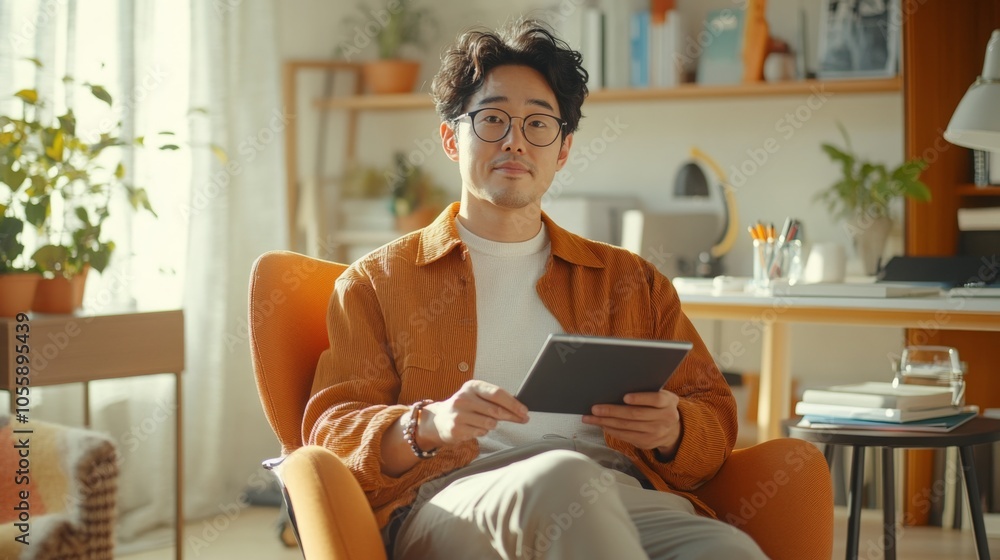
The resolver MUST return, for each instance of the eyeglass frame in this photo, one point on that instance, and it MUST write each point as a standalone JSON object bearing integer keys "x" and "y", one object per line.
{"x": 510, "y": 121}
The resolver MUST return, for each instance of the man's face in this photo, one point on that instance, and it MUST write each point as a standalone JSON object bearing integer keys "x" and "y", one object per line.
{"x": 511, "y": 173}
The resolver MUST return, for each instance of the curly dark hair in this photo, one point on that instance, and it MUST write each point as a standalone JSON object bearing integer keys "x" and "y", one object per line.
{"x": 527, "y": 42}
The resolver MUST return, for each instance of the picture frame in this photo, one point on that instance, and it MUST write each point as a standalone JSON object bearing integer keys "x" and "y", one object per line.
{"x": 858, "y": 39}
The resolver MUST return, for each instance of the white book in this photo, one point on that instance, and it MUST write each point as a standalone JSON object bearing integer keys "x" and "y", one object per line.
{"x": 832, "y": 411}
{"x": 592, "y": 47}
{"x": 979, "y": 219}
{"x": 877, "y": 394}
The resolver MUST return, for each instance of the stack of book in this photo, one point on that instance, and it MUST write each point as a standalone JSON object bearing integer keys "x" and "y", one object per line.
{"x": 882, "y": 406}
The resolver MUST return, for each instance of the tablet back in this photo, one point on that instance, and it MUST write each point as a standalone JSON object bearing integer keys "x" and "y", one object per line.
{"x": 572, "y": 373}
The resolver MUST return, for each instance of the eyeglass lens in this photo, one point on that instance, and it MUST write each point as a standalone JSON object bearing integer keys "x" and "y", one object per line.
{"x": 493, "y": 124}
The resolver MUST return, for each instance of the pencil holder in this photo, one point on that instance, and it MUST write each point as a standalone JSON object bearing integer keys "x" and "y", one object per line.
{"x": 776, "y": 261}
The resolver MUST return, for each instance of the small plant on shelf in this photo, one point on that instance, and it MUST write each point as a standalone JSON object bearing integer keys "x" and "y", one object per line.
{"x": 391, "y": 28}
{"x": 416, "y": 197}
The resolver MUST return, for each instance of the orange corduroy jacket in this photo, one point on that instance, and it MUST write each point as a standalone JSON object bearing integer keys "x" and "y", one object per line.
{"x": 402, "y": 324}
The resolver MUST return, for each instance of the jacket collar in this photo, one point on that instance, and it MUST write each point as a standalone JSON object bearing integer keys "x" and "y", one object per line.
{"x": 441, "y": 237}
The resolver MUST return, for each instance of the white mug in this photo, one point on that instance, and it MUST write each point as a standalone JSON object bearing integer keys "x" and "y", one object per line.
{"x": 827, "y": 263}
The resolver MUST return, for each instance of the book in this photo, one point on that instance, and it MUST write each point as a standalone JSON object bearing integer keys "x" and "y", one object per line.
{"x": 856, "y": 289}
{"x": 877, "y": 394}
{"x": 722, "y": 60}
{"x": 944, "y": 424}
{"x": 837, "y": 412}
{"x": 639, "y": 49}
{"x": 979, "y": 219}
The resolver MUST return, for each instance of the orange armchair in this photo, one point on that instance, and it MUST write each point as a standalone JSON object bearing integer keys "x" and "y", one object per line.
{"x": 779, "y": 492}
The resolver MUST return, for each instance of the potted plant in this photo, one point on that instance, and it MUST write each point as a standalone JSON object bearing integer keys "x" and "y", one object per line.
{"x": 17, "y": 281}
{"x": 415, "y": 198}
{"x": 392, "y": 28}
{"x": 63, "y": 185}
{"x": 862, "y": 194}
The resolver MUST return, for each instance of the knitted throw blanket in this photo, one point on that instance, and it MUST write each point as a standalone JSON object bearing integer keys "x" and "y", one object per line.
{"x": 69, "y": 479}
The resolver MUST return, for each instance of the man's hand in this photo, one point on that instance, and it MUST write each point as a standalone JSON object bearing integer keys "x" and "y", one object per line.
{"x": 646, "y": 420}
{"x": 471, "y": 412}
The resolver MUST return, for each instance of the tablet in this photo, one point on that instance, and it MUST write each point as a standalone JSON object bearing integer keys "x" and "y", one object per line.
{"x": 572, "y": 373}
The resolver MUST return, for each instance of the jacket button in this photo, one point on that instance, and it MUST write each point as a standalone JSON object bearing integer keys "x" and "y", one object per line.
{"x": 463, "y": 367}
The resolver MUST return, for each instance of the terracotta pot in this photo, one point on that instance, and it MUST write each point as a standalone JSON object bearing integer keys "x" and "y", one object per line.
{"x": 421, "y": 217}
{"x": 390, "y": 76}
{"x": 60, "y": 295}
{"x": 17, "y": 291}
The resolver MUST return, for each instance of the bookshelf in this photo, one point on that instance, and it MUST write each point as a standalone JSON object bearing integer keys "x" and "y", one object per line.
{"x": 409, "y": 101}
{"x": 934, "y": 82}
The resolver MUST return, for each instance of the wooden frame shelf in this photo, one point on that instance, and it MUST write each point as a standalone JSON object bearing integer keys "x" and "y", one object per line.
{"x": 974, "y": 190}
{"x": 404, "y": 101}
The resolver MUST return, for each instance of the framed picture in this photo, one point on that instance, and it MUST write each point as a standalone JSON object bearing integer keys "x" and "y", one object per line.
{"x": 859, "y": 38}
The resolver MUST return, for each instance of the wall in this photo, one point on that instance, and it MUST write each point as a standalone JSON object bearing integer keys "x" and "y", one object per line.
{"x": 647, "y": 143}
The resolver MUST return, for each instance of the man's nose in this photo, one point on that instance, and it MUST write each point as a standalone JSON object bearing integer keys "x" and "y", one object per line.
{"x": 515, "y": 141}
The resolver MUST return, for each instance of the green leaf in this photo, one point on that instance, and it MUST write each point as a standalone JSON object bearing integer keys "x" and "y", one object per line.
{"x": 67, "y": 123}
{"x": 166, "y": 133}
{"x": 55, "y": 150}
{"x": 29, "y": 96}
{"x": 197, "y": 110}
{"x": 38, "y": 186}
{"x": 138, "y": 197}
{"x": 52, "y": 258}
{"x": 170, "y": 147}
{"x": 139, "y": 141}
{"x": 81, "y": 213}
{"x": 37, "y": 211}
{"x": 100, "y": 257}
{"x": 101, "y": 93}
{"x": 35, "y": 61}
{"x": 119, "y": 171}
{"x": 14, "y": 179}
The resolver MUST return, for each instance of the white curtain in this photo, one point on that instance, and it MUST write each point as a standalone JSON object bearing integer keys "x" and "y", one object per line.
{"x": 159, "y": 60}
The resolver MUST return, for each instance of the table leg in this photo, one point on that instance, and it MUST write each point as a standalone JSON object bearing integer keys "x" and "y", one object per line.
{"x": 86, "y": 404}
{"x": 179, "y": 474}
{"x": 775, "y": 384}
{"x": 975, "y": 507}
{"x": 888, "y": 504}
{"x": 854, "y": 520}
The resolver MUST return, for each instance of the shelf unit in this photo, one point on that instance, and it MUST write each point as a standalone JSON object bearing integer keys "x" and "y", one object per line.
{"x": 357, "y": 103}
{"x": 407, "y": 101}
{"x": 934, "y": 82}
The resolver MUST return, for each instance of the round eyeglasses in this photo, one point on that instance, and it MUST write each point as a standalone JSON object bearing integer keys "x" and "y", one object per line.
{"x": 492, "y": 125}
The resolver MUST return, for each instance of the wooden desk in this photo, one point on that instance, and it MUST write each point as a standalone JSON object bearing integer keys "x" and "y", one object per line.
{"x": 774, "y": 314}
{"x": 88, "y": 347}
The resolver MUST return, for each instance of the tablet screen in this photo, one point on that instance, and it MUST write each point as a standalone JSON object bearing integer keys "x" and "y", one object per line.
{"x": 572, "y": 373}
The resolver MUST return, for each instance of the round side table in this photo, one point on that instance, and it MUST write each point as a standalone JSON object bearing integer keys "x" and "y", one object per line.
{"x": 979, "y": 430}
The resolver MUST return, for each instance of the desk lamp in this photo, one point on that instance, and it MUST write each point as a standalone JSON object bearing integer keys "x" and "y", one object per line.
{"x": 976, "y": 121}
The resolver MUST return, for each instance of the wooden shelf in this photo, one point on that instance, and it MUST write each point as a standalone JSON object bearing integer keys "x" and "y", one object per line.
{"x": 973, "y": 190}
{"x": 402, "y": 101}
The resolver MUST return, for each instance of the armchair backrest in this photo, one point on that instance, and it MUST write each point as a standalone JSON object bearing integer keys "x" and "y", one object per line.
{"x": 289, "y": 293}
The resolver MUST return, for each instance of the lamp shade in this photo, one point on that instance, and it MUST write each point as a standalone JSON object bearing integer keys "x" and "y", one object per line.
{"x": 976, "y": 121}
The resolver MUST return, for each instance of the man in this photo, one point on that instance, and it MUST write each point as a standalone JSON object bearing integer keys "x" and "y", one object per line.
{"x": 431, "y": 334}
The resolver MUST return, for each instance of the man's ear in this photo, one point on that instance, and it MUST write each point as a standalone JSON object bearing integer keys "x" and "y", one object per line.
{"x": 449, "y": 141}
{"x": 567, "y": 143}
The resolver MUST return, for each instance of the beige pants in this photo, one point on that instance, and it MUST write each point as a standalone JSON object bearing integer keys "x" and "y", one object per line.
{"x": 559, "y": 500}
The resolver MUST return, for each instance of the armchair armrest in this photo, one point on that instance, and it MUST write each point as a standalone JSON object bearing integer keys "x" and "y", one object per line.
{"x": 779, "y": 492}
{"x": 332, "y": 516}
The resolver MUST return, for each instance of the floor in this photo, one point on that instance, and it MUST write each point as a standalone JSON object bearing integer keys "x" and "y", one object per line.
{"x": 252, "y": 535}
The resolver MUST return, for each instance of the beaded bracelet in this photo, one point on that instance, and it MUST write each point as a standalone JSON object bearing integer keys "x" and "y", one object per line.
{"x": 410, "y": 430}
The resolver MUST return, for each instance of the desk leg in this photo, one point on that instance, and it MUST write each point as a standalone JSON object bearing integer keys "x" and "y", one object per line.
{"x": 854, "y": 520}
{"x": 86, "y": 404}
{"x": 975, "y": 507}
{"x": 888, "y": 504}
{"x": 179, "y": 475}
{"x": 775, "y": 383}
